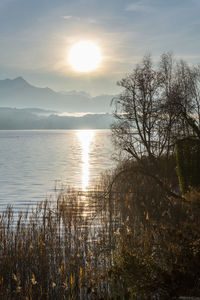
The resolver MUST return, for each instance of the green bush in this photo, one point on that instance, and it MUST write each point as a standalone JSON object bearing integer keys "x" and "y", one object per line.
{"x": 188, "y": 162}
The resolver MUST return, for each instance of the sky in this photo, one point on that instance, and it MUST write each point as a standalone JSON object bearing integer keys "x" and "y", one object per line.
{"x": 37, "y": 35}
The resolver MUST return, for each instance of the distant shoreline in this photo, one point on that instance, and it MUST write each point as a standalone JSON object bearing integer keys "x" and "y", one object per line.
{"x": 72, "y": 129}
{"x": 26, "y": 119}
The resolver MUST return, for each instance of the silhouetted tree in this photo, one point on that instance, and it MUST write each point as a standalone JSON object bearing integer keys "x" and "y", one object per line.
{"x": 158, "y": 105}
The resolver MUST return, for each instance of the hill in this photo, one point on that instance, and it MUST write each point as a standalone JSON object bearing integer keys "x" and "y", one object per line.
{"x": 21, "y": 94}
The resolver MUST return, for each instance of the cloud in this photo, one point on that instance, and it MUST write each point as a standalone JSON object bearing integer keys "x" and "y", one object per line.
{"x": 140, "y": 6}
{"x": 67, "y": 17}
{"x": 77, "y": 18}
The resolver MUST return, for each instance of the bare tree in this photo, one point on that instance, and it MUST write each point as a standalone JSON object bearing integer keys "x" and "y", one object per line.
{"x": 181, "y": 96}
{"x": 137, "y": 112}
{"x": 158, "y": 104}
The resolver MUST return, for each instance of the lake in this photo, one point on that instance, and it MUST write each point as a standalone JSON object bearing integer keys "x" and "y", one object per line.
{"x": 34, "y": 163}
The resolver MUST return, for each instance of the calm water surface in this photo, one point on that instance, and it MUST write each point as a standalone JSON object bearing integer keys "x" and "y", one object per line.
{"x": 33, "y": 163}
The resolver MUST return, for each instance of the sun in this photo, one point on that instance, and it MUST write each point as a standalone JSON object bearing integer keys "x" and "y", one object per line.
{"x": 84, "y": 56}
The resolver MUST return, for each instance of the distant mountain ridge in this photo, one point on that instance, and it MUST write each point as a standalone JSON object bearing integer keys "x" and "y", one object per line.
{"x": 21, "y": 94}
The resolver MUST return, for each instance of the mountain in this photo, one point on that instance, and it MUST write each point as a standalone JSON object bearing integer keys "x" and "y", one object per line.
{"x": 13, "y": 119}
{"x": 21, "y": 94}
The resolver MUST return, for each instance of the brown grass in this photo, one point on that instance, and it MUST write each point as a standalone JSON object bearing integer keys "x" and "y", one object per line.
{"x": 59, "y": 251}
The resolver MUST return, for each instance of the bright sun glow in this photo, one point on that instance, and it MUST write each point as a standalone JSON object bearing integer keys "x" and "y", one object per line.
{"x": 84, "y": 57}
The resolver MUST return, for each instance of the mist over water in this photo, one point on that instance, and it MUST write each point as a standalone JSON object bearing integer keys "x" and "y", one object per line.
{"x": 33, "y": 163}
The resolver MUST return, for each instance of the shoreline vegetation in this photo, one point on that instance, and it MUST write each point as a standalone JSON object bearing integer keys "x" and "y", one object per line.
{"x": 115, "y": 248}
{"x": 136, "y": 235}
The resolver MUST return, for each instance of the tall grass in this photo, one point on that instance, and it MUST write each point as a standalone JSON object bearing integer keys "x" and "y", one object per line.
{"x": 57, "y": 251}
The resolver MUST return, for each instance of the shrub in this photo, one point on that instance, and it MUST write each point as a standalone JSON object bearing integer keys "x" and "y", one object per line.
{"x": 188, "y": 162}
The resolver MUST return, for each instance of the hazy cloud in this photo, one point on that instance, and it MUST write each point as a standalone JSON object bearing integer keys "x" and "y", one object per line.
{"x": 140, "y": 6}
{"x": 67, "y": 17}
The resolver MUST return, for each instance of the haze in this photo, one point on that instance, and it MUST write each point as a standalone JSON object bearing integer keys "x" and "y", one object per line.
{"x": 36, "y": 37}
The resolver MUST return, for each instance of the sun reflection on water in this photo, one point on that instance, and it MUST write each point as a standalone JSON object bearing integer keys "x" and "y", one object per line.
{"x": 85, "y": 138}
